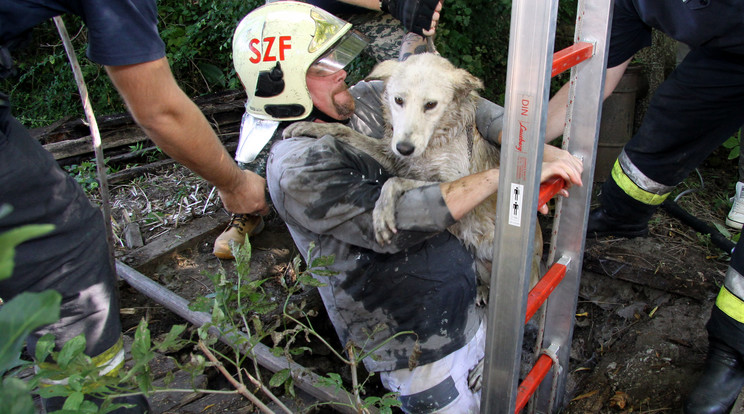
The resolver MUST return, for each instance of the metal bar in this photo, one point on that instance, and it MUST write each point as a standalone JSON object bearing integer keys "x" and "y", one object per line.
{"x": 531, "y": 42}
{"x": 539, "y": 294}
{"x": 571, "y": 56}
{"x": 305, "y": 379}
{"x": 571, "y": 214}
{"x": 533, "y": 379}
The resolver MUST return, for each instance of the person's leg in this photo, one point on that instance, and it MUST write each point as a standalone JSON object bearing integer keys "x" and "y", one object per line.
{"x": 696, "y": 109}
{"x": 73, "y": 259}
{"x": 442, "y": 386}
{"x": 723, "y": 376}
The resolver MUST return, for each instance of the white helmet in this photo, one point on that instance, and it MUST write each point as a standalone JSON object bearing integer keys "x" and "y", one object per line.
{"x": 273, "y": 47}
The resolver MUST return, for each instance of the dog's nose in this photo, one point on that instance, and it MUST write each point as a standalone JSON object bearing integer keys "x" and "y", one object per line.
{"x": 405, "y": 148}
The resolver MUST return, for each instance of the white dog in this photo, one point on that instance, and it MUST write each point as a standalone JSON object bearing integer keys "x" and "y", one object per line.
{"x": 430, "y": 136}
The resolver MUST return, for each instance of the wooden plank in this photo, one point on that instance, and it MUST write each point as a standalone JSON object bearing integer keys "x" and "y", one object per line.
{"x": 175, "y": 240}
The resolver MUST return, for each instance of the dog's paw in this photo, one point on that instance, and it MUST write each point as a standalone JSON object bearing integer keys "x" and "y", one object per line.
{"x": 383, "y": 216}
{"x": 304, "y": 129}
{"x": 383, "y": 221}
{"x": 481, "y": 295}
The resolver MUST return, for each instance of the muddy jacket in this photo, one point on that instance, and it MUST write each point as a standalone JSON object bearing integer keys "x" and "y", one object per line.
{"x": 423, "y": 281}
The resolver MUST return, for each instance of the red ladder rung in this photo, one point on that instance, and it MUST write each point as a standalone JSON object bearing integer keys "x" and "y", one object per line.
{"x": 571, "y": 56}
{"x": 549, "y": 189}
{"x": 539, "y": 294}
{"x": 532, "y": 381}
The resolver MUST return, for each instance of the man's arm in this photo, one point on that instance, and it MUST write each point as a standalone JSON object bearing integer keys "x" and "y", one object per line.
{"x": 558, "y": 103}
{"x": 179, "y": 128}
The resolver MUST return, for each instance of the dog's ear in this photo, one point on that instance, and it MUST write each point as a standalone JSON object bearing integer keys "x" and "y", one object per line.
{"x": 466, "y": 83}
{"x": 383, "y": 70}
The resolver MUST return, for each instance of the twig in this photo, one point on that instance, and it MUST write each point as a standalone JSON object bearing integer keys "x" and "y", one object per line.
{"x": 95, "y": 134}
{"x": 238, "y": 386}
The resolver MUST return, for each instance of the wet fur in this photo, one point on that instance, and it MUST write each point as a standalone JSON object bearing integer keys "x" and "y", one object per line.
{"x": 429, "y": 107}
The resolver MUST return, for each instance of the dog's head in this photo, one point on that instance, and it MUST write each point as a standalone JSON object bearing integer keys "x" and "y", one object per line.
{"x": 420, "y": 93}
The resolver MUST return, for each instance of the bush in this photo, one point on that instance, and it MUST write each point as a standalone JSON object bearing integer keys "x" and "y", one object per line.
{"x": 473, "y": 34}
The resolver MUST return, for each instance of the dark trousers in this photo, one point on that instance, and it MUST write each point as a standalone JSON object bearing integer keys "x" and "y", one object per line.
{"x": 693, "y": 112}
{"x": 73, "y": 259}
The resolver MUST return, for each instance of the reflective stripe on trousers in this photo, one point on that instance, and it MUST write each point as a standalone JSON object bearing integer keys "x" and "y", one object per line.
{"x": 636, "y": 184}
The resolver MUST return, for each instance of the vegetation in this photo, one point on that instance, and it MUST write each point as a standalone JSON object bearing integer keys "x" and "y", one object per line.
{"x": 236, "y": 308}
{"x": 474, "y": 34}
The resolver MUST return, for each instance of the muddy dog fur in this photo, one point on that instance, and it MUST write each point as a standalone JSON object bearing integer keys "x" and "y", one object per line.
{"x": 429, "y": 107}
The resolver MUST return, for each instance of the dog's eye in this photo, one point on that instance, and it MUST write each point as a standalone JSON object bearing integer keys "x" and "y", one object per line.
{"x": 430, "y": 105}
{"x": 399, "y": 100}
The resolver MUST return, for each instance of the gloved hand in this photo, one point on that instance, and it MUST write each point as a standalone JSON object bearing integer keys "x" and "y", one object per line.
{"x": 415, "y": 15}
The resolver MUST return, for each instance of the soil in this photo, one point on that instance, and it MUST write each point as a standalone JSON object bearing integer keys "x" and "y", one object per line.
{"x": 639, "y": 341}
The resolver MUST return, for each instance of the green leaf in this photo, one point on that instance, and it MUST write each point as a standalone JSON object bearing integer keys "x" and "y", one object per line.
{"x": 71, "y": 350}
{"x": 16, "y": 397}
{"x": 72, "y": 403}
{"x": 44, "y": 347}
{"x": 21, "y": 316}
{"x": 12, "y": 238}
{"x": 212, "y": 74}
{"x": 172, "y": 340}
{"x": 280, "y": 377}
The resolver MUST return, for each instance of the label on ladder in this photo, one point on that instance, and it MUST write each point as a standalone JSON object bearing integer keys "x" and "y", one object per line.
{"x": 515, "y": 201}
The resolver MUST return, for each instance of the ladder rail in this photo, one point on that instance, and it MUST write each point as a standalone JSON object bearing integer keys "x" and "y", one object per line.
{"x": 521, "y": 153}
{"x": 594, "y": 19}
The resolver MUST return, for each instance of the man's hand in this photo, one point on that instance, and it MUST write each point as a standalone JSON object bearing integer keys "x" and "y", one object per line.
{"x": 418, "y": 16}
{"x": 568, "y": 166}
{"x": 560, "y": 163}
{"x": 248, "y": 196}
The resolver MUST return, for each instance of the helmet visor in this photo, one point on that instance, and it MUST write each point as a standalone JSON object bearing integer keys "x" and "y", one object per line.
{"x": 339, "y": 55}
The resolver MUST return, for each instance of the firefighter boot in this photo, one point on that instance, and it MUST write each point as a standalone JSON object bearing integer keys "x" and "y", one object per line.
{"x": 241, "y": 226}
{"x": 721, "y": 382}
{"x": 602, "y": 223}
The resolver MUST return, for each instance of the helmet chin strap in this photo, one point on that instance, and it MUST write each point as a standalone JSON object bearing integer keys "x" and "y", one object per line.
{"x": 317, "y": 114}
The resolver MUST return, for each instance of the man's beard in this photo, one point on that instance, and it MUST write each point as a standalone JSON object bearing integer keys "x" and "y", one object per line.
{"x": 344, "y": 107}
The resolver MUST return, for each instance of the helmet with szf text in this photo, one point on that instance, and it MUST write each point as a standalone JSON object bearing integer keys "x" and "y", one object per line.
{"x": 273, "y": 47}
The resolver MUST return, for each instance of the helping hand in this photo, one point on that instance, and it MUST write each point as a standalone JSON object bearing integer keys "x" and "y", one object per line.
{"x": 248, "y": 197}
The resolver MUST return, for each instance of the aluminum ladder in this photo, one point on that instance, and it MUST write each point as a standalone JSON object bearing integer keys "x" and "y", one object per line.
{"x": 531, "y": 65}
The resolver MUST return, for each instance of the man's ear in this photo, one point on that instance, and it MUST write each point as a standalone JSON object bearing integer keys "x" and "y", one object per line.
{"x": 383, "y": 70}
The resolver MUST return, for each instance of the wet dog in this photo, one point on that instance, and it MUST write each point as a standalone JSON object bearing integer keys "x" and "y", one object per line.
{"x": 430, "y": 136}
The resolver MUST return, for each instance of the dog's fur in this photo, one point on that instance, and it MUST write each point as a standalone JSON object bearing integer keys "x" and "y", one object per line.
{"x": 430, "y": 136}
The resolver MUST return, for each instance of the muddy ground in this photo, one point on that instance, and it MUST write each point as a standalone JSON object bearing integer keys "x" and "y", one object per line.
{"x": 639, "y": 341}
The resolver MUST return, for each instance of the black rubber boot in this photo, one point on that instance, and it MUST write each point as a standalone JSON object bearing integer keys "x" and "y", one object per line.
{"x": 601, "y": 223}
{"x": 720, "y": 384}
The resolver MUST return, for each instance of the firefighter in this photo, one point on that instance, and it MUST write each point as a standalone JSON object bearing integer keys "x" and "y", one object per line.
{"x": 386, "y": 33}
{"x": 325, "y": 191}
{"x": 74, "y": 258}
{"x": 693, "y": 111}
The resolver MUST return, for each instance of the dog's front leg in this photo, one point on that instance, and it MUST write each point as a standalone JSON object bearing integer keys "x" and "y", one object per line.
{"x": 383, "y": 216}
{"x": 316, "y": 129}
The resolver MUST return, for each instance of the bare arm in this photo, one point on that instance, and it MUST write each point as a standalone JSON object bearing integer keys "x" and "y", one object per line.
{"x": 558, "y": 103}
{"x": 464, "y": 194}
{"x": 179, "y": 128}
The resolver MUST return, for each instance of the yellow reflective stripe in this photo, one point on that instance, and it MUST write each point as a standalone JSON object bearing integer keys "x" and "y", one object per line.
{"x": 730, "y": 304}
{"x": 631, "y": 189}
{"x": 113, "y": 357}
